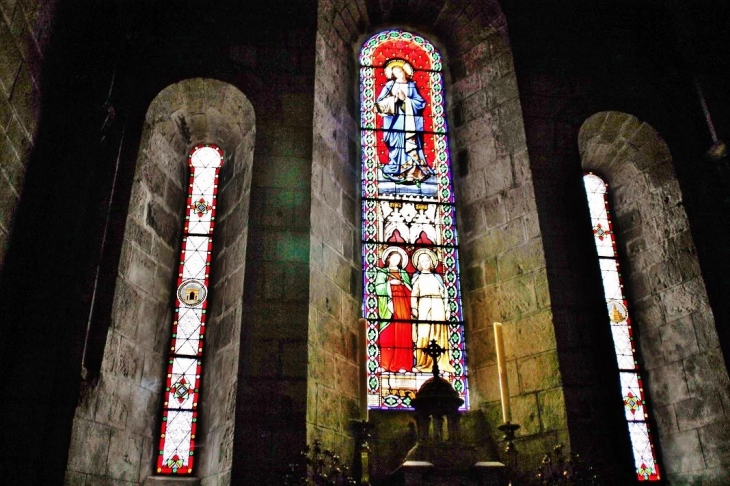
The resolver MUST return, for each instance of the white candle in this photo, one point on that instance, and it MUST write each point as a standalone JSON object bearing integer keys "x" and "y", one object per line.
{"x": 502, "y": 371}
{"x": 362, "y": 357}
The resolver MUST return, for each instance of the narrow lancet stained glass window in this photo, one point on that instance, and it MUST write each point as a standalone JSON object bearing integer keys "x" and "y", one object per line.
{"x": 410, "y": 256}
{"x": 632, "y": 389}
{"x": 180, "y": 414}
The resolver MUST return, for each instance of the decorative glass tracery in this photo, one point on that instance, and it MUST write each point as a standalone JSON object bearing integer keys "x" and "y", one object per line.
{"x": 632, "y": 388}
{"x": 180, "y": 414}
{"x": 410, "y": 256}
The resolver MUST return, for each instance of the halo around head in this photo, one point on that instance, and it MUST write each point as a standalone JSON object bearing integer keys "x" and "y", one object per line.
{"x": 424, "y": 251}
{"x": 407, "y": 68}
{"x": 395, "y": 249}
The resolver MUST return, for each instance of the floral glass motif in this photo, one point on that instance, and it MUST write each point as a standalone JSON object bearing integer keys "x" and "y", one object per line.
{"x": 180, "y": 411}
{"x": 410, "y": 257}
{"x": 632, "y": 389}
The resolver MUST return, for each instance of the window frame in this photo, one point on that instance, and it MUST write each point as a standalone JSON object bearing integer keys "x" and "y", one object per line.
{"x": 183, "y": 385}
{"x": 627, "y": 356}
{"x": 376, "y": 55}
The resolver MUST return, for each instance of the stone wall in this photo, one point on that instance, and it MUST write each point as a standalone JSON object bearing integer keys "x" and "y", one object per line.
{"x": 272, "y": 387}
{"x": 25, "y": 28}
{"x": 687, "y": 383}
{"x": 504, "y": 275}
{"x": 585, "y": 355}
{"x": 115, "y": 430}
{"x": 333, "y": 385}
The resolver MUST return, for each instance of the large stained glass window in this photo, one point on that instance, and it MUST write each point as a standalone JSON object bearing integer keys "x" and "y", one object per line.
{"x": 410, "y": 256}
{"x": 180, "y": 412}
{"x": 632, "y": 388}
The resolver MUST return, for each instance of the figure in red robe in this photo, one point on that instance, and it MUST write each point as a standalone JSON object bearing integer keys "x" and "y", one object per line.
{"x": 393, "y": 288}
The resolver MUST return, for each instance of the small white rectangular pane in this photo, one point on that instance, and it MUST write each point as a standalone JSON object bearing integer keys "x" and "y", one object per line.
{"x": 643, "y": 455}
{"x": 177, "y": 436}
{"x": 196, "y": 257}
{"x": 203, "y": 183}
{"x": 195, "y": 244}
{"x": 195, "y": 265}
{"x": 625, "y": 362}
{"x": 188, "y": 331}
{"x": 611, "y": 282}
{"x": 597, "y": 208}
{"x": 623, "y": 346}
{"x": 197, "y": 225}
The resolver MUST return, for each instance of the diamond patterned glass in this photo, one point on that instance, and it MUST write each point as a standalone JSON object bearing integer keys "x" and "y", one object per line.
{"x": 179, "y": 415}
{"x": 632, "y": 389}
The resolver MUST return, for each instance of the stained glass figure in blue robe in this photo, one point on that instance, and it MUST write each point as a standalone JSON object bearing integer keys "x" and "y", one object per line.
{"x": 401, "y": 106}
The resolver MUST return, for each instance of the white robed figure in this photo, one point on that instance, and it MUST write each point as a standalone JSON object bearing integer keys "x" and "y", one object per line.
{"x": 429, "y": 303}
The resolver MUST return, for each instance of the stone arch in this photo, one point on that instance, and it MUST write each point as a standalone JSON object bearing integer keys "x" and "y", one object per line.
{"x": 676, "y": 328}
{"x": 120, "y": 417}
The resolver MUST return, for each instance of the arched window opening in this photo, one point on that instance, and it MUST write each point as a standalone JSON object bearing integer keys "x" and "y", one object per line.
{"x": 632, "y": 388}
{"x": 180, "y": 414}
{"x": 411, "y": 289}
